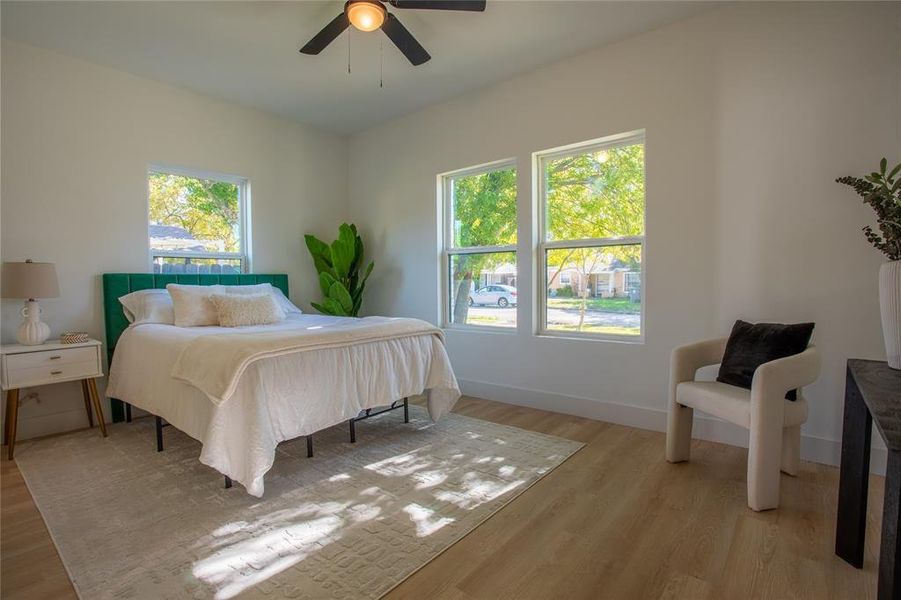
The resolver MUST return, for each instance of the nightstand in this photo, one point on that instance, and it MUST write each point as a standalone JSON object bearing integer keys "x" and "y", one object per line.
{"x": 52, "y": 362}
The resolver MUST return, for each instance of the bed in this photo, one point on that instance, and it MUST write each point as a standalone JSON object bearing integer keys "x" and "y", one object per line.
{"x": 281, "y": 396}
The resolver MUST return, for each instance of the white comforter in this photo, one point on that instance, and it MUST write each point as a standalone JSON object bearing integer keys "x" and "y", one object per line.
{"x": 214, "y": 363}
{"x": 280, "y": 397}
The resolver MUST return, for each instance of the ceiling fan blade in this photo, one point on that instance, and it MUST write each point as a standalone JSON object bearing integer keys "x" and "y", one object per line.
{"x": 327, "y": 35}
{"x": 474, "y": 5}
{"x": 404, "y": 40}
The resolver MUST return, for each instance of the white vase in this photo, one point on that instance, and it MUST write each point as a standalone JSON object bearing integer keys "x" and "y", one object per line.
{"x": 890, "y": 307}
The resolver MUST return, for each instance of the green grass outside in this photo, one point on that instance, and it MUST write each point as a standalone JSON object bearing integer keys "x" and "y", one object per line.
{"x": 588, "y": 328}
{"x": 602, "y": 329}
{"x": 483, "y": 320}
{"x": 613, "y": 305}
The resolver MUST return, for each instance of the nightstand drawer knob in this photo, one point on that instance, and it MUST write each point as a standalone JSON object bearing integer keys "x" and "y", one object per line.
{"x": 56, "y": 357}
{"x": 56, "y": 372}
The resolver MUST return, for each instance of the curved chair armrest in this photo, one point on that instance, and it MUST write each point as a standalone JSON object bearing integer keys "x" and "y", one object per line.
{"x": 777, "y": 377}
{"x": 686, "y": 360}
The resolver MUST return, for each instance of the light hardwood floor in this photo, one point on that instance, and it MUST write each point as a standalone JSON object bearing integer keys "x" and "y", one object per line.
{"x": 614, "y": 521}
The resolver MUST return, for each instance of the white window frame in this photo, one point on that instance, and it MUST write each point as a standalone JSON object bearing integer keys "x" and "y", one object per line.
{"x": 539, "y": 160}
{"x": 243, "y": 185}
{"x": 446, "y": 209}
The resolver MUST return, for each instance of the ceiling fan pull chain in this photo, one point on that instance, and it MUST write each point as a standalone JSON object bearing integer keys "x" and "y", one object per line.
{"x": 348, "y": 52}
{"x": 381, "y": 63}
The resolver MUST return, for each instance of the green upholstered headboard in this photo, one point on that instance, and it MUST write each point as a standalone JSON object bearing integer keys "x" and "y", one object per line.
{"x": 116, "y": 285}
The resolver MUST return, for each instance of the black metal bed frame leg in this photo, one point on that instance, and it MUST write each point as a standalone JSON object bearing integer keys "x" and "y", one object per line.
{"x": 353, "y": 431}
{"x": 127, "y": 412}
{"x": 159, "y": 433}
{"x": 310, "y": 446}
{"x": 228, "y": 482}
{"x": 406, "y": 410}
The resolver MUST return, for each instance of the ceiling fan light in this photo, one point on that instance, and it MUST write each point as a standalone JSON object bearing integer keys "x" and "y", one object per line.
{"x": 365, "y": 15}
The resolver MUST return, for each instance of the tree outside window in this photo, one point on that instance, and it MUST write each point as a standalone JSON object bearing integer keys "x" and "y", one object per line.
{"x": 481, "y": 245}
{"x": 196, "y": 222}
{"x": 593, "y": 202}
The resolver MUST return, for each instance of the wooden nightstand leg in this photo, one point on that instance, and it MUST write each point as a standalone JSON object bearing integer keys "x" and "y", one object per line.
{"x": 95, "y": 397}
{"x": 7, "y": 418}
{"x": 87, "y": 401}
{"x": 12, "y": 414}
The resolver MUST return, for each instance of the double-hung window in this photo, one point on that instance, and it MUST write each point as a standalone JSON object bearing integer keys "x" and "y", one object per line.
{"x": 198, "y": 221}
{"x": 479, "y": 246}
{"x": 592, "y": 232}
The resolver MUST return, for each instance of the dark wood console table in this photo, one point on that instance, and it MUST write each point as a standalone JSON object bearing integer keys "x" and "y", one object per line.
{"x": 872, "y": 393}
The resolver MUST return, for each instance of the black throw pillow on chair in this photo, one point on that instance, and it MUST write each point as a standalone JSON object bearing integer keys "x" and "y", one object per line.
{"x": 753, "y": 344}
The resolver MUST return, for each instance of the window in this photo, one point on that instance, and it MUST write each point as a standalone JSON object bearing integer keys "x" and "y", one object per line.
{"x": 591, "y": 244}
{"x": 633, "y": 281}
{"x": 479, "y": 258}
{"x": 198, "y": 222}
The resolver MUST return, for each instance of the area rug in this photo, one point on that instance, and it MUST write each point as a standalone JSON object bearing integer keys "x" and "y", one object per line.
{"x": 351, "y": 522}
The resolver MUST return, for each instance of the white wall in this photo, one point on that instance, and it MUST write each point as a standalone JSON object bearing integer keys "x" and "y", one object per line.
{"x": 751, "y": 111}
{"x": 76, "y": 142}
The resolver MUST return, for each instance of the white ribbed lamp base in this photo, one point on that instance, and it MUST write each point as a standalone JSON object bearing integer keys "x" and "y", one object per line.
{"x": 890, "y": 307}
{"x": 32, "y": 331}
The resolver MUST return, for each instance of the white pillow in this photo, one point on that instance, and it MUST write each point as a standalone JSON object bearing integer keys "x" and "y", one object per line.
{"x": 236, "y": 310}
{"x": 286, "y": 304}
{"x": 192, "y": 304}
{"x": 266, "y": 288}
{"x": 148, "y": 306}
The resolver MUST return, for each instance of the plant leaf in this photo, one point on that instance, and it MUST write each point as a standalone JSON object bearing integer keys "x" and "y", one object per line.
{"x": 358, "y": 293}
{"x": 368, "y": 272}
{"x": 358, "y": 302}
{"x": 319, "y": 250}
{"x": 894, "y": 171}
{"x": 339, "y": 293}
{"x": 358, "y": 258}
{"x": 325, "y": 282}
{"x": 358, "y": 299}
{"x": 333, "y": 307}
{"x": 343, "y": 251}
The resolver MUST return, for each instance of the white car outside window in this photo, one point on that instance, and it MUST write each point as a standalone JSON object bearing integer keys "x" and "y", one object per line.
{"x": 494, "y": 295}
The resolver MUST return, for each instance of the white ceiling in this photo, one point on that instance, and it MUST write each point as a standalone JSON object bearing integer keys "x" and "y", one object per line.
{"x": 247, "y": 52}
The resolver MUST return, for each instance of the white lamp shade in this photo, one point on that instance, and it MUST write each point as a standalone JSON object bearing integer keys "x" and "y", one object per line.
{"x": 29, "y": 280}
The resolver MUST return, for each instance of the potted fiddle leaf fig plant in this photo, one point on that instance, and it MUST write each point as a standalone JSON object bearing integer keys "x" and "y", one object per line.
{"x": 342, "y": 278}
{"x": 882, "y": 191}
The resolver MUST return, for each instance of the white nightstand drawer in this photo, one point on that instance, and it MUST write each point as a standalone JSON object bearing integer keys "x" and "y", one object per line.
{"x": 43, "y": 374}
{"x": 54, "y": 358}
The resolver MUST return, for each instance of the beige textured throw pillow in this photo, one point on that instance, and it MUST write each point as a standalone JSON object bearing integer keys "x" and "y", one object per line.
{"x": 192, "y": 305}
{"x": 236, "y": 310}
{"x": 265, "y": 288}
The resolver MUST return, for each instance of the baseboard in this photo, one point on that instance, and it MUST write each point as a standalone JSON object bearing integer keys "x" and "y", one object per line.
{"x": 814, "y": 449}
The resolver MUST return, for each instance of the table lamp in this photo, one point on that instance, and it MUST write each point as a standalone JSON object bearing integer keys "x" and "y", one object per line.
{"x": 30, "y": 280}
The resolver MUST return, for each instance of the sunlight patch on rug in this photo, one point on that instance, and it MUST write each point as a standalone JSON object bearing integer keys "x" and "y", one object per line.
{"x": 352, "y": 522}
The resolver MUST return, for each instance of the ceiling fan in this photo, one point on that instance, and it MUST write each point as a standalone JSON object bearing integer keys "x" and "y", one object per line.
{"x": 369, "y": 15}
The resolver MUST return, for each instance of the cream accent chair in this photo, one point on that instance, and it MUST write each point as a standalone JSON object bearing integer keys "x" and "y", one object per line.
{"x": 774, "y": 423}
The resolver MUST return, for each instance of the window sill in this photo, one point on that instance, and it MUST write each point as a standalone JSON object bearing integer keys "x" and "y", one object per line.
{"x": 480, "y": 329}
{"x": 631, "y": 340}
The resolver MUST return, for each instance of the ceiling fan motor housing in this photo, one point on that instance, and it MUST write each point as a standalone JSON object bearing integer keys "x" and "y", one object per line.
{"x": 365, "y": 15}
